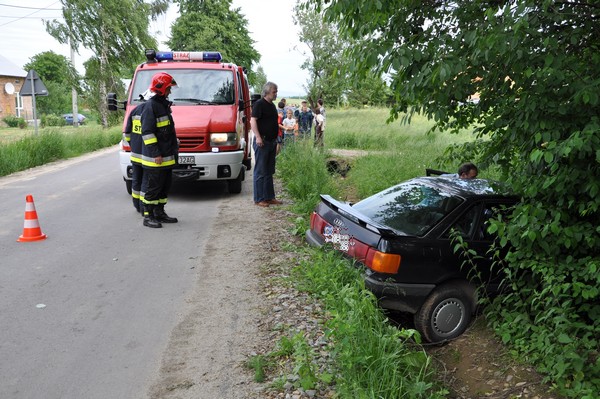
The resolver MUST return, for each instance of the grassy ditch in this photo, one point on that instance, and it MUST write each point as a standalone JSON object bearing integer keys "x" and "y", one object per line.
{"x": 20, "y": 150}
{"x": 370, "y": 357}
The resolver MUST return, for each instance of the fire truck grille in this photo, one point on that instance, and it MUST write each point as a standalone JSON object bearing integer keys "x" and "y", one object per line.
{"x": 190, "y": 143}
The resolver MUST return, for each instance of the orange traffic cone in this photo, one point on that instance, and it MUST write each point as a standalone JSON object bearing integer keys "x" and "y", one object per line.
{"x": 31, "y": 228}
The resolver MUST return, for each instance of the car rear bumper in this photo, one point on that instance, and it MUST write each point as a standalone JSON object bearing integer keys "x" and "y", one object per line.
{"x": 392, "y": 295}
{"x": 398, "y": 296}
{"x": 314, "y": 239}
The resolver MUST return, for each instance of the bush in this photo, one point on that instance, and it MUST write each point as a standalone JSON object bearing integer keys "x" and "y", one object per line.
{"x": 53, "y": 120}
{"x": 13, "y": 121}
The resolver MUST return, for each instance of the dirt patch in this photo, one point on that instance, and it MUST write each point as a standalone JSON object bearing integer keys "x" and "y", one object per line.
{"x": 478, "y": 365}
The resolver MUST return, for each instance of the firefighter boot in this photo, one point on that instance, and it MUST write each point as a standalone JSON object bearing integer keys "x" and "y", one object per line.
{"x": 149, "y": 219}
{"x": 161, "y": 216}
{"x": 137, "y": 206}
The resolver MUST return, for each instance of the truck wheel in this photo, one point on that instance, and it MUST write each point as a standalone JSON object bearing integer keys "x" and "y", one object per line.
{"x": 235, "y": 185}
{"x": 446, "y": 313}
{"x": 128, "y": 185}
{"x": 247, "y": 163}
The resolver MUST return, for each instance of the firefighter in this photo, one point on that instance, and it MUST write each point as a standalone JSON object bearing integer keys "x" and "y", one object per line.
{"x": 159, "y": 151}
{"x": 133, "y": 135}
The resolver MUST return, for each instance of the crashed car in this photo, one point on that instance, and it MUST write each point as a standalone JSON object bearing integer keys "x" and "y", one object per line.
{"x": 405, "y": 236}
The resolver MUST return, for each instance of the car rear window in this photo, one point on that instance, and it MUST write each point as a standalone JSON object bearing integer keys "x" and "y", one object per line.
{"x": 410, "y": 208}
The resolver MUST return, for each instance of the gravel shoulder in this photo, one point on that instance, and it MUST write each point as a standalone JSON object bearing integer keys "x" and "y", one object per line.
{"x": 219, "y": 327}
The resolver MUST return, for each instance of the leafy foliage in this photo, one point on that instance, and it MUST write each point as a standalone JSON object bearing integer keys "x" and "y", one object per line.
{"x": 533, "y": 66}
{"x": 212, "y": 25}
{"x": 327, "y": 64}
{"x": 112, "y": 31}
{"x": 13, "y": 121}
{"x": 59, "y": 76}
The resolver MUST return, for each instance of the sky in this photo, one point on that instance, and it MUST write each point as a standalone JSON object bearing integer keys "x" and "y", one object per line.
{"x": 23, "y": 35}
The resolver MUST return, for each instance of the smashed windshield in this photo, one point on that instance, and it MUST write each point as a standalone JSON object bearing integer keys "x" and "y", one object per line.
{"x": 410, "y": 208}
{"x": 194, "y": 86}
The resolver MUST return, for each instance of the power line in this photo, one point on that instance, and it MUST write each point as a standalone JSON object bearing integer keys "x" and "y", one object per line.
{"x": 32, "y": 8}
{"x": 28, "y": 15}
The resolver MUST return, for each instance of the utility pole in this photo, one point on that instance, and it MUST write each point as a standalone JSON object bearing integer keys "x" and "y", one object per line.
{"x": 73, "y": 89}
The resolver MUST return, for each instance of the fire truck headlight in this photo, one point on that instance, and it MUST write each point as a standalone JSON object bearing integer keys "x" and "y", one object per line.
{"x": 223, "y": 139}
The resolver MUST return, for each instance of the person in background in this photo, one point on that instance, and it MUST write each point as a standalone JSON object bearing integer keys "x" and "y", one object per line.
{"x": 280, "y": 118}
{"x": 265, "y": 128}
{"x": 468, "y": 170}
{"x": 305, "y": 120}
{"x": 159, "y": 150}
{"x": 319, "y": 128}
{"x": 290, "y": 127}
{"x": 321, "y": 107}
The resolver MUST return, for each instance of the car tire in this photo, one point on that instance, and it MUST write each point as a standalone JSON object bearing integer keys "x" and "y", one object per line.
{"x": 446, "y": 313}
{"x": 128, "y": 186}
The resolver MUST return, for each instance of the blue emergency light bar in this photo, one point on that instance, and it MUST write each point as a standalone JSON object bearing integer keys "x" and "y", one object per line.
{"x": 211, "y": 56}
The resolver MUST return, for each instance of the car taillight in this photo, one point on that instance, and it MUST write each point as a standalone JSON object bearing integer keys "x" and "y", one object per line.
{"x": 317, "y": 223}
{"x": 382, "y": 262}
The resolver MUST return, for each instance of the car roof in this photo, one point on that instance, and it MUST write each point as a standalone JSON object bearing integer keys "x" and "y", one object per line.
{"x": 466, "y": 187}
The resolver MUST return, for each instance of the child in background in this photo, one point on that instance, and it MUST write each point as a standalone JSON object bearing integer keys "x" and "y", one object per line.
{"x": 289, "y": 127}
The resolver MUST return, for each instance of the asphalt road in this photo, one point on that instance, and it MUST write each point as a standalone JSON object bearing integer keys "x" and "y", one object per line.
{"x": 87, "y": 312}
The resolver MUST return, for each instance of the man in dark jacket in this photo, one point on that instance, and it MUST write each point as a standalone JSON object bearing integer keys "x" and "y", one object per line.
{"x": 159, "y": 150}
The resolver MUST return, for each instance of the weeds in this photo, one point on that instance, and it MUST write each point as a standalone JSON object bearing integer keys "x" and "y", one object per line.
{"x": 371, "y": 358}
{"x": 51, "y": 145}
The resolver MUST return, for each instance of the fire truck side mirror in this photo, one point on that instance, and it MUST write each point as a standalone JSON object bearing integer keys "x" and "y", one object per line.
{"x": 112, "y": 102}
{"x": 241, "y": 104}
{"x": 254, "y": 98}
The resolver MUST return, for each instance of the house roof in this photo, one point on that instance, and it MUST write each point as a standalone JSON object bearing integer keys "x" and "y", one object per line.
{"x": 7, "y": 68}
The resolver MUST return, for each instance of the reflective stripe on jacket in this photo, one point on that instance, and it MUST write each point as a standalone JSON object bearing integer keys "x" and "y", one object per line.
{"x": 157, "y": 134}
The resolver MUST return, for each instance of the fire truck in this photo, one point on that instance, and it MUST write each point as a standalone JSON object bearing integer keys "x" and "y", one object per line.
{"x": 211, "y": 110}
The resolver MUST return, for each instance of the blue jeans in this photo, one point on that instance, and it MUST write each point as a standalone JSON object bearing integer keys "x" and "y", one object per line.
{"x": 264, "y": 169}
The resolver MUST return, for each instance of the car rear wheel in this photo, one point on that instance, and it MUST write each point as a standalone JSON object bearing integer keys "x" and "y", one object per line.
{"x": 446, "y": 313}
{"x": 128, "y": 185}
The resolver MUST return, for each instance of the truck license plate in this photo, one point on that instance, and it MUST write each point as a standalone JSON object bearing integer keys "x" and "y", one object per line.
{"x": 186, "y": 160}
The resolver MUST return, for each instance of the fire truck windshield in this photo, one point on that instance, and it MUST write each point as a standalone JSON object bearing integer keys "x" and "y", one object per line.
{"x": 194, "y": 86}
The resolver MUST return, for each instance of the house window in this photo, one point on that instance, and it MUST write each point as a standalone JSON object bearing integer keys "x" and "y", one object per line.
{"x": 18, "y": 104}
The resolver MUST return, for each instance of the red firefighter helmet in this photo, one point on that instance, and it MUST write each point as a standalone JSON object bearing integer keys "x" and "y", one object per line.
{"x": 160, "y": 82}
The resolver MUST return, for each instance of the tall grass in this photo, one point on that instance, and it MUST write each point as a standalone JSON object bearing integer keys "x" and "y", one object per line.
{"x": 51, "y": 145}
{"x": 373, "y": 358}
{"x": 396, "y": 151}
{"x": 303, "y": 169}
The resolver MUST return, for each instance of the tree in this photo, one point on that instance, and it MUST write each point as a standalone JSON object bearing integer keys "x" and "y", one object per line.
{"x": 534, "y": 67}
{"x": 112, "y": 31}
{"x": 58, "y": 76}
{"x": 211, "y": 25}
{"x": 260, "y": 78}
{"x": 328, "y": 63}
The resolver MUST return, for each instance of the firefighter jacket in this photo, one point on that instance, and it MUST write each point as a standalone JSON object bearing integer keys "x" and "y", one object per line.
{"x": 133, "y": 133}
{"x": 157, "y": 133}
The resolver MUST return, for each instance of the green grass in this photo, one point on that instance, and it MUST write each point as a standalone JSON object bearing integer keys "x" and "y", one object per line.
{"x": 372, "y": 358}
{"x": 23, "y": 149}
{"x": 396, "y": 151}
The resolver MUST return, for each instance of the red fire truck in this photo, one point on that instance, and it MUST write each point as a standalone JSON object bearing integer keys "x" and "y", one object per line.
{"x": 211, "y": 109}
